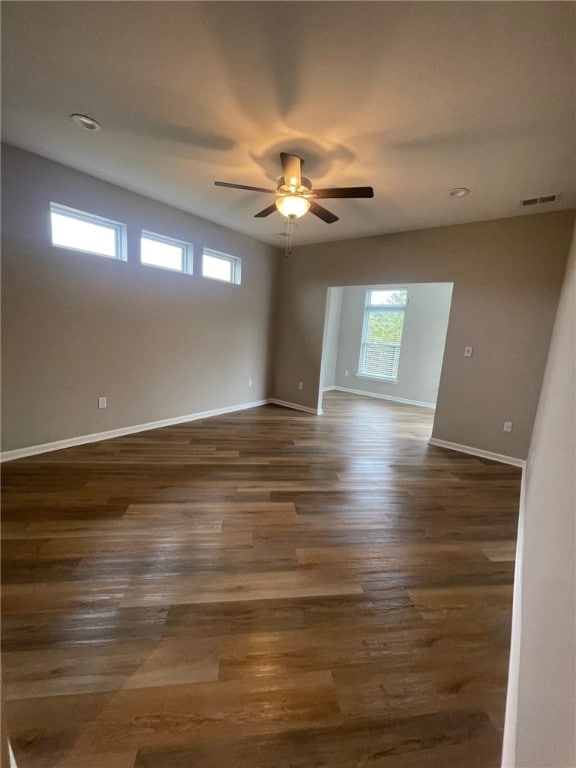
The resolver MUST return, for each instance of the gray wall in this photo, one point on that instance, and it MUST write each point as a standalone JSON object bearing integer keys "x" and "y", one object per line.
{"x": 541, "y": 708}
{"x": 423, "y": 339}
{"x": 507, "y": 276}
{"x": 158, "y": 344}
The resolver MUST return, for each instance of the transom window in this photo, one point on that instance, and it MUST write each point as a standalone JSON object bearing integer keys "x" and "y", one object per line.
{"x": 165, "y": 252}
{"x": 221, "y": 266}
{"x": 81, "y": 231}
{"x": 382, "y": 333}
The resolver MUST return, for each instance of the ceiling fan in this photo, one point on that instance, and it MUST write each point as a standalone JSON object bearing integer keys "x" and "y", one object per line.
{"x": 295, "y": 194}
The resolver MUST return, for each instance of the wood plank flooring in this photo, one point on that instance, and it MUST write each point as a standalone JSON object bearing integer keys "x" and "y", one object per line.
{"x": 265, "y": 589}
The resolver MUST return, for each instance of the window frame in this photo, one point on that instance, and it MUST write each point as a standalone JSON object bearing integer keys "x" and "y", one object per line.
{"x": 234, "y": 261}
{"x": 120, "y": 238}
{"x": 368, "y": 308}
{"x": 187, "y": 252}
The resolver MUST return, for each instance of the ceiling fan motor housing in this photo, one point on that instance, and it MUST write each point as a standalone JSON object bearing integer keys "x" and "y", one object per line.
{"x": 304, "y": 188}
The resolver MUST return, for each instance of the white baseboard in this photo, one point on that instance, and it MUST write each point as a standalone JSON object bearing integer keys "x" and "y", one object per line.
{"x": 329, "y": 389}
{"x": 384, "y": 397}
{"x": 11, "y": 756}
{"x": 513, "y": 688}
{"x": 478, "y": 452}
{"x": 33, "y": 450}
{"x": 295, "y": 406}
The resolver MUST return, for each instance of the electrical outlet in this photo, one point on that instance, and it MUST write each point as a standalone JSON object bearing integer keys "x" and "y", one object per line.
{"x": 250, "y": 382}
{"x": 507, "y": 426}
{"x": 300, "y": 385}
{"x": 346, "y": 373}
{"x": 467, "y": 351}
{"x": 102, "y": 402}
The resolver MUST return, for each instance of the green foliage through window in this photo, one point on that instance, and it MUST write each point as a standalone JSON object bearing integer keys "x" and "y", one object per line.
{"x": 385, "y": 327}
{"x": 382, "y": 333}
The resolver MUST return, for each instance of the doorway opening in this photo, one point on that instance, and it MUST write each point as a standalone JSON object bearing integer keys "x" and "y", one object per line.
{"x": 386, "y": 341}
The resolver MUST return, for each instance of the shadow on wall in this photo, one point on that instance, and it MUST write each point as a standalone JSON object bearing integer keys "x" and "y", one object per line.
{"x": 386, "y": 341}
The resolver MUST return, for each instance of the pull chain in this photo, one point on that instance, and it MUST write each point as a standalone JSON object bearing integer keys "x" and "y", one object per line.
{"x": 289, "y": 230}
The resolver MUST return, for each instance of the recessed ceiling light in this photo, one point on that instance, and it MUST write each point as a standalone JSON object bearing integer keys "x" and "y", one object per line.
{"x": 459, "y": 192}
{"x": 85, "y": 122}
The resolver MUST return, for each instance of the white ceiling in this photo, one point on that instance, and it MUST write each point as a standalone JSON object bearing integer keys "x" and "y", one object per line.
{"x": 412, "y": 98}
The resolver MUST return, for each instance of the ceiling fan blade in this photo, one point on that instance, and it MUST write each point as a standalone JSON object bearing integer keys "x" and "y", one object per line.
{"x": 291, "y": 169}
{"x": 266, "y": 211}
{"x": 243, "y": 186}
{"x": 343, "y": 192}
{"x": 322, "y": 213}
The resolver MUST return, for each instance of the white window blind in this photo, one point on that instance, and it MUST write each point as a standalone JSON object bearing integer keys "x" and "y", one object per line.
{"x": 382, "y": 333}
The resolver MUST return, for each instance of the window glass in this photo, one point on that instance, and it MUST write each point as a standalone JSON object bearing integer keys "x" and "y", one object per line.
{"x": 220, "y": 266}
{"x": 216, "y": 268}
{"x": 85, "y": 232}
{"x": 158, "y": 252}
{"x": 390, "y": 298}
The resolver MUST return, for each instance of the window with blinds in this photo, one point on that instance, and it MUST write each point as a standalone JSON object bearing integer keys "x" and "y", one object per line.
{"x": 382, "y": 333}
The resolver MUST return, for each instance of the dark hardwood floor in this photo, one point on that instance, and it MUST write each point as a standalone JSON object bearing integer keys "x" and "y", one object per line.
{"x": 267, "y": 589}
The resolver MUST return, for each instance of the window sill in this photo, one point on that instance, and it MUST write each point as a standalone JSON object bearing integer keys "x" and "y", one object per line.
{"x": 383, "y": 379}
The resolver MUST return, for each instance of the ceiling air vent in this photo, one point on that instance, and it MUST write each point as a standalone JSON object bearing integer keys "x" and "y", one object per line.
{"x": 538, "y": 200}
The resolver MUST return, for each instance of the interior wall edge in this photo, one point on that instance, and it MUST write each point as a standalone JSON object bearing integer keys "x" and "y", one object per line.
{"x": 541, "y": 702}
{"x": 512, "y": 689}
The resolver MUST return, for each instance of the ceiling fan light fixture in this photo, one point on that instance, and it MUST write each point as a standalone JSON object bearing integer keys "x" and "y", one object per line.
{"x": 292, "y": 206}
